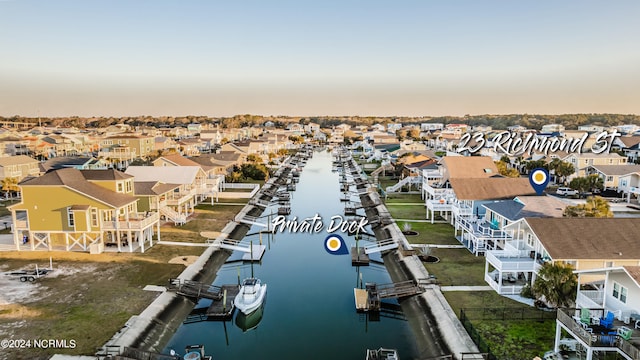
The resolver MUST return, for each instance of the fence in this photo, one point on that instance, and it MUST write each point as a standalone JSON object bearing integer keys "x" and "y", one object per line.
{"x": 477, "y": 339}
{"x": 466, "y": 315}
{"x": 522, "y": 313}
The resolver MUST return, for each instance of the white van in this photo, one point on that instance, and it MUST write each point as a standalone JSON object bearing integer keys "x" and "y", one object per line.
{"x": 565, "y": 191}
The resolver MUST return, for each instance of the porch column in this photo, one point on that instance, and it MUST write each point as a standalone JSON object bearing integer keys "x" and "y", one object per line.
{"x": 66, "y": 240}
{"x": 556, "y": 344}
{"x": 589, "y": 354}
{"x": 130, "y": 240}
{"x": 16, "y": 234}
{"x": 141, "y": 239}
{"x": 158, "y": 230}
{"x": 118, "y": 239}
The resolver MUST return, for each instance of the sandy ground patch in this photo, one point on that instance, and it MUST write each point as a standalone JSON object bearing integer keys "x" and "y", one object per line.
{"x": 184, "y": 260}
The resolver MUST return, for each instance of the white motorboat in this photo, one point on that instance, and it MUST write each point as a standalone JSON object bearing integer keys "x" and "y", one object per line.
{"x": 251, "y": 295}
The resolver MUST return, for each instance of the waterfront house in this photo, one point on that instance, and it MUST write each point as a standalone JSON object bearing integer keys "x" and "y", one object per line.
{"x": 88, "y": 210}
{"x": 603, "y": 291}
{"x": 436, "y": 188}
{"x": 192, "y": 189}
{"x": 213, "y": 181}
{"x": 468, "y": 210}
{"x": 583, "y": 243}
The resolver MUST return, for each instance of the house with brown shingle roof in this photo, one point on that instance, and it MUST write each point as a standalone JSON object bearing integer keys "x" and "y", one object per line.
{"x": 460, "y": 188}
{"x": 630, "y": 145}
{"x": 73, "y": 210}
{"x": 583, "y": 243}
{"x": 610, "y": 174}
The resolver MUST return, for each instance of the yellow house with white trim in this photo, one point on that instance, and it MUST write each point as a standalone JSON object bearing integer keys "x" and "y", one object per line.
{"x": 88, "y": 210}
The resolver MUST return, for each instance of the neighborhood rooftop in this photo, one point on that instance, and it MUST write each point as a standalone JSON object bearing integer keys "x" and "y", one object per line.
{"x": 490, "y": 188}
{"x": 76, "y": 180}
{"x": 588, "y": 238}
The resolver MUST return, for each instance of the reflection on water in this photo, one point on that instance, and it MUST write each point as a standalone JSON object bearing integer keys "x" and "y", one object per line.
{"x": 311, "y": 312}
{"x": 251, "y": 321}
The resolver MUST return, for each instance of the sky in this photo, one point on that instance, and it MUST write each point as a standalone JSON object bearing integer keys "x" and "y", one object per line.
{"x": 306, "y": 58}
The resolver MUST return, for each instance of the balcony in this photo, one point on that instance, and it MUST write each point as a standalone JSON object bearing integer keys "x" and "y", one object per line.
{"x": 590, "y": 298}
{"x": 459, "y": 209}
{"x": 520, "y": 261}
{"x": 439, "y": 205}
{"x": 482, "y": 230}
{"x": 180, "y": 198}
{"x": 506, "y": 288}
{"x": 585, "y": 333}
{"x": 135, "y": 221}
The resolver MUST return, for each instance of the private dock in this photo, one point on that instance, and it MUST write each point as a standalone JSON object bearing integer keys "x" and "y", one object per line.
{"x": 195, "y": 290}
{"x": 223, "y": 308}
{"x": 359, "y": 257}
{"x": 368, "y": 299}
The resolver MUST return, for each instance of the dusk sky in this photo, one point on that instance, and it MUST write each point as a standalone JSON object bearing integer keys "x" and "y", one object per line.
{"x": 409, "y": 58}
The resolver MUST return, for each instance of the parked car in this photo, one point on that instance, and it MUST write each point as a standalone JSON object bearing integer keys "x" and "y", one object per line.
{"x": 565, "y": 191}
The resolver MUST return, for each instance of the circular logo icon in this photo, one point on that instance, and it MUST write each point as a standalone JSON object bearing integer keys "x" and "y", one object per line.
{"x": 334, "y": 244}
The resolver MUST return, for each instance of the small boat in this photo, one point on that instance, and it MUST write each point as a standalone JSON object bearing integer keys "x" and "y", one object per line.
{"x": 251, "y": 321}
{"x": 251, "y": 295}
{"x": 382, "y": 354}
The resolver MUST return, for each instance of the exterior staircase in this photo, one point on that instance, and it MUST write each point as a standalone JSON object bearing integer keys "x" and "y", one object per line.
{"x": 170, "y": 214}
{"x": 403, "y": 182}
{"x": 384, "y": 167}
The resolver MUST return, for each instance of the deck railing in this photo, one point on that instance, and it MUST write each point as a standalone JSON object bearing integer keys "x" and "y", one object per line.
{"x": 596, "y": 340}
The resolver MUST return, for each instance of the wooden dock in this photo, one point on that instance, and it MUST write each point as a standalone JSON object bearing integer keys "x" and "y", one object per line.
{"x": 362, "y": 299}
{"x": 195, "y": 290}
{"x": 368, "y": 299}
{"x": 223, "y": 308}
{"x": 359, "y": 258}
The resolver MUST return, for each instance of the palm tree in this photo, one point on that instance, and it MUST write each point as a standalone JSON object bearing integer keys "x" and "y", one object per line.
{"x": 595, "y": 206}
{"x": 557, "y": 284}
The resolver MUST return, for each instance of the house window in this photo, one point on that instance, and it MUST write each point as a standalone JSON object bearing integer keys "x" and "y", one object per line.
{"x": 620, "y": 292}
{"x": 529, "y": 239}
{"x": 128, "y": 186}
{"x": 94, "y": 217}
{"x": 119, "y": 187}
{"x": 70, "y": 219}
{"x": 609, "y": 178}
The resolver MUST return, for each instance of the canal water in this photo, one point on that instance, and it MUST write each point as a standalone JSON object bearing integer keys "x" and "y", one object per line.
{"x": 309, "y": 311}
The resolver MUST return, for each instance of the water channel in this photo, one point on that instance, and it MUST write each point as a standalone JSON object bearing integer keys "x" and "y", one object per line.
{"x": 309, "y": 311}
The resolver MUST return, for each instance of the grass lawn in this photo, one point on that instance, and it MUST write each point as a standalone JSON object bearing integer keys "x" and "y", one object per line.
{"x": 479, "y": 299}
{"x": 429, "y": 233}
{"x": 414, "y": 212}
{"x": 508, "y": 339}
{"x": 86, "y": 301}
{"x": 517, "y": 339}
{"x": 457, "y": 267}
{"x": 404, "y": 198}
